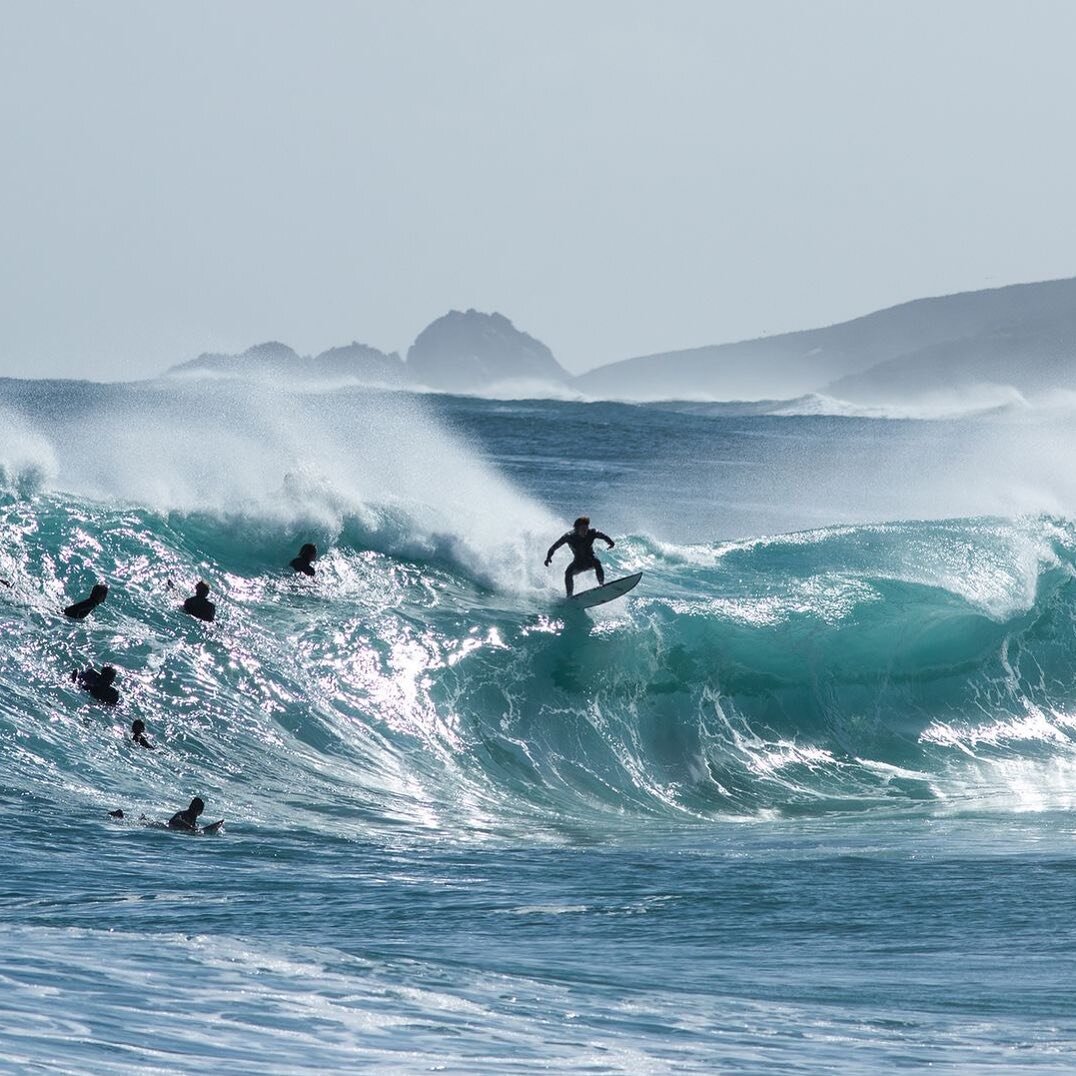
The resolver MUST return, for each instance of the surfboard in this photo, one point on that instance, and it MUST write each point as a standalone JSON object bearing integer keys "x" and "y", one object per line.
{"x": 607, "y": 593}
{"x": 213, "y": 827}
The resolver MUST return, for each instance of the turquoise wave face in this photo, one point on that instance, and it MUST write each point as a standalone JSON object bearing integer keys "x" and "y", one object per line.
{"x": 426, "y": 680}
{"x": 845, "y": 668}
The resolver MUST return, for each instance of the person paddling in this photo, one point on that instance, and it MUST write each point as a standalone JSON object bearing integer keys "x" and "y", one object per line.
{"x": 188, "y": 819}
{"x": 580, "y": 539}
{"x": 138, "y": 734}
{"x": 98, "y": 684}
{"x": 304, "y": 562}
{"x": 81, "y": 610}
{"x": 198, "y": 604}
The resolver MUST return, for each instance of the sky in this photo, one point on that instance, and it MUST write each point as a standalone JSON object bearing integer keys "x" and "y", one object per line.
{"x": 618, "y": 178}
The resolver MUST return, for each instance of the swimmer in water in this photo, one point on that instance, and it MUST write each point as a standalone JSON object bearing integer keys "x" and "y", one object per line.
{"x": 138, "y": 734}
{"x": 304, "y": 562}
{"x": 81, "y": 610}
{"x": 198, "y": 604}
{"x": 188, "y": 820}
{"x": 98, "y": 684}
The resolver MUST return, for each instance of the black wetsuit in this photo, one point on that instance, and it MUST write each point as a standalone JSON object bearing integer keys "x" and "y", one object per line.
{"x": 81, "y": 610}
{"x": 200, "y": 607}
{"x": 583, "y": 558}
{"x": 186, "y": 820}
{"x": 90, "y": 679}
{"x": 304, "y": 566}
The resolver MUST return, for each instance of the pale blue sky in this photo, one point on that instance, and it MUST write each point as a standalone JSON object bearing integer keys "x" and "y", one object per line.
{"x": 616, "y": 177}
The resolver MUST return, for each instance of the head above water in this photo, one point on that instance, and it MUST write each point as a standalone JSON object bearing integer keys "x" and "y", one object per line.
{"x": 196, "y": 807}
{"x": 308, "y": 552}
{"x": 138, "y": 726}
{"x": 202, "y": 588}
{"x": 99, "y": 593}
{"x": 108, "y": 674}
{"x": 582, "y": 523}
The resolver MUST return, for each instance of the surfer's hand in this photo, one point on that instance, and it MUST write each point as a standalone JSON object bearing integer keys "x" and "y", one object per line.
{"x": 611, "y": 543}
{"x": 547, "y": 562}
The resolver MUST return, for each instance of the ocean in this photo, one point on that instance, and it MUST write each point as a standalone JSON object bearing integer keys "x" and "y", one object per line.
{"x": 803, "y": 802}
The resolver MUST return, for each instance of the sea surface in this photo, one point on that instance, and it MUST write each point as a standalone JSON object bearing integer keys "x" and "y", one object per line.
{"x": 802, "y": 803}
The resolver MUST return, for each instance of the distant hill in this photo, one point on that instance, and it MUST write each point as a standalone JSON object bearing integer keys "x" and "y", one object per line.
{"x": 460, "y": 352}
{"x": 275, "y": 361}
{"x": 1022, "y": 335}
{"x": 472, "y": 352}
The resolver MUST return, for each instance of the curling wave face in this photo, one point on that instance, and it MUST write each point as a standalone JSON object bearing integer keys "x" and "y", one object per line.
{"x": 842, "y": 668}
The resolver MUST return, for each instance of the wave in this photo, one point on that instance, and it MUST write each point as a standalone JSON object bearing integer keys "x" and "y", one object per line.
{"x": 971, "y": 402}
{"x": 380, "y": 467}
{"x": 419, "y": 687}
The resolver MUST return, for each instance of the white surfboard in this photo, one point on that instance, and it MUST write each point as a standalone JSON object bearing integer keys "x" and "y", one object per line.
{"x": 607, "y": 593}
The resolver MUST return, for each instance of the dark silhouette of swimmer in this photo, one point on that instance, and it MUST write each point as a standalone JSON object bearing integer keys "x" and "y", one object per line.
{"x": 138, "y": 734}
{"x": 304, "y": 562}
{"x": 580, "y": 539}
{"x": 118, "y": 813}
{"x": 98, "y": 684}
{"x": 81, "y": 610}
{"x": 188, "y": 820}
{"x": 198, "y": 605}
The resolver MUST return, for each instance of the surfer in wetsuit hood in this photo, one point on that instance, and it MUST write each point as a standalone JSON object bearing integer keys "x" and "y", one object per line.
{"x": 98, "y": 684}
{"x": 188, "y": 819}
{"x": 198, "y": 604}
{"x": 138, "y": 733}
{"x": 580, "y": 539}
{"x": 81, "y": 610}
{"x": 304, "y": 562}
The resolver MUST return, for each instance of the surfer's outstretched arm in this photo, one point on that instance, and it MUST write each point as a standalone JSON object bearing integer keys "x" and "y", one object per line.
{"x": 554, "y": 547}
{"x": 605, "y": 538}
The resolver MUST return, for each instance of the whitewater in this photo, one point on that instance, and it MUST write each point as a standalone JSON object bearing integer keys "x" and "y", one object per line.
{"x": 802, "y": 803}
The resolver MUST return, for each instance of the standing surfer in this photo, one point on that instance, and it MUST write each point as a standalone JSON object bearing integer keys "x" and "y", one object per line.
{"x": 580, "y": 539}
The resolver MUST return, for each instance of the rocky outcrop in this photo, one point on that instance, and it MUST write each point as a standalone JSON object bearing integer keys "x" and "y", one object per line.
{"x": 358, "y": 362}
{"x": 354, "y": 363}
{"x": 472, "y": 352}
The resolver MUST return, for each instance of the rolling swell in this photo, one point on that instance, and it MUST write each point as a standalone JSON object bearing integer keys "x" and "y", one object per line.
{"x": 410, "y": 690}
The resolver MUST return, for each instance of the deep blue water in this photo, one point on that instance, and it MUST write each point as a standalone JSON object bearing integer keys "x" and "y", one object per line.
{"x": 803, "y": 803}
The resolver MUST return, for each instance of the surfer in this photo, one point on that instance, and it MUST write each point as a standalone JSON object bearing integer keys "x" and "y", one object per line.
{"x": 304, "y": 562}
{"x": 580, "y": 539}
{"x": 98, "y": 684}
{"x": 138, "y": 734}
{"x": 198, "y": 604}
{"x": 81, "y": 610}
{"x": 188, "y": 819}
